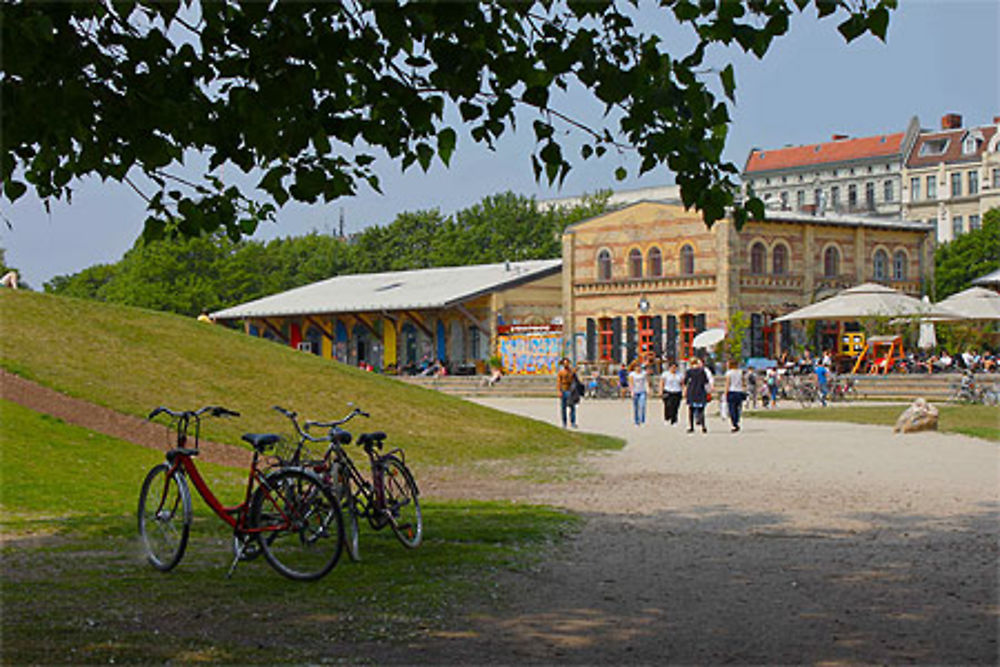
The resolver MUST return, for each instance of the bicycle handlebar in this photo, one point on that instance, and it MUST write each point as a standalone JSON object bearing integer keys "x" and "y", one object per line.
{"x": 356, "y": 412}
{"x": 215, "y": 410}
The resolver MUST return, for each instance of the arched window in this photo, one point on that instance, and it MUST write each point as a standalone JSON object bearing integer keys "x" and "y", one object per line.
{"x": 899, "y": 265}
{"x": 687, "y": 260}
{"x": 831, "y": 262}
{"x": 604, "y": 265}
{"x": 880, "y": 265}
{"x": 655, "y": 263}
{"x": 779, "y": 260}
{"x": 634, "y": 263}
{"x": 758, "y": 258}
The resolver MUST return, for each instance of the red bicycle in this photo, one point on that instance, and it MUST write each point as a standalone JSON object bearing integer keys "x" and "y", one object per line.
{"x": 288, "y": 514}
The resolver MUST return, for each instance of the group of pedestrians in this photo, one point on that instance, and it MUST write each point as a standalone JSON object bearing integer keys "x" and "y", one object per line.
{"x": 693, "y": 385}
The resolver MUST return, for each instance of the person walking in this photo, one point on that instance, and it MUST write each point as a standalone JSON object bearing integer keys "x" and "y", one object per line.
{"x": 623, "y": 382}
{"x": 735, "y": 393}
{"x": 638, "y": 383}
{"x": 772, "y": 386}
{"x": 752, "y": 388}
{"x": 823, "y": 380}
{"x": 696, "y": 391}
{"x": 670, "y": 391}
{"x": 566, "y": 381}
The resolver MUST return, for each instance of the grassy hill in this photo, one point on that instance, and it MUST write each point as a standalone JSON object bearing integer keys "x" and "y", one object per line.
{"x": 132, "y": 360}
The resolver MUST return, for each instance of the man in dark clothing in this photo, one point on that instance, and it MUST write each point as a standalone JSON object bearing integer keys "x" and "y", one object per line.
{"x": 696, "y": 391}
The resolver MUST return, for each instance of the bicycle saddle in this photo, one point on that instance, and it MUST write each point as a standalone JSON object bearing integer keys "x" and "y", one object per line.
{"x": 374, "y": 438}
{"x": 261, "y": 441}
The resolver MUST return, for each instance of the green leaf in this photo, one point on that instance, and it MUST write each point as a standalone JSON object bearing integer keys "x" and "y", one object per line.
{"x": 878, "y": 22}
{"x": 852, "y": 28}
{"x": 14, "y": 189}
{"x": 446, "y": 144}
{"x": 621, "y": 174}
{"x": 826, "y": 7}
{"x": 728, "y": 82}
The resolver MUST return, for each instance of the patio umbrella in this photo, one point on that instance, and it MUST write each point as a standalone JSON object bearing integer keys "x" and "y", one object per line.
{"x": 867, "y": 300}
{"x": 991, "y": 279}
{"x": 975, "y": 303}
{"x": 709, "y": 338}
{"x": 928, "y": 337}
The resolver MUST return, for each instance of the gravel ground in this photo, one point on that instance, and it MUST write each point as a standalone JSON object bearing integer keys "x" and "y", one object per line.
{"x": 787, "y": 543}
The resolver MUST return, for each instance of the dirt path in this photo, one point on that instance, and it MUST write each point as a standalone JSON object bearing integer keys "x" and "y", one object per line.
{"x": 104, "y": 420}
{"x": 787, "y": 543}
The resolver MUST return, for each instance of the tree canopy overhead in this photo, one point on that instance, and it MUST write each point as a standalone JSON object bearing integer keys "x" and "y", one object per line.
{"x": 306, "y": 96}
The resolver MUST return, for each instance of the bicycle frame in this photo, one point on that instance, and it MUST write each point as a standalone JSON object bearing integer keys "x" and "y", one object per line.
{"x": 237, "y": 515}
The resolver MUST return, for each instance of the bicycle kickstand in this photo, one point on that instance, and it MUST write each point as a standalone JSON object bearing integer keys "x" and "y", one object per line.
{"x": 241, "y": 545}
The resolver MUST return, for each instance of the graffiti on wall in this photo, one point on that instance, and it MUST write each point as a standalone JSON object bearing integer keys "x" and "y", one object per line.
{"x": 530, "y": 354}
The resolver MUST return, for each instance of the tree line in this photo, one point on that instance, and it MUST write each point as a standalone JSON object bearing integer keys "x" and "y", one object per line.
{"x": 186, "y": 274}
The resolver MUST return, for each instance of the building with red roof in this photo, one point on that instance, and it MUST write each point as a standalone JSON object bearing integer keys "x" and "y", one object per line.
{"x": 854, "y": 175}
{"x": 951, "y": 176}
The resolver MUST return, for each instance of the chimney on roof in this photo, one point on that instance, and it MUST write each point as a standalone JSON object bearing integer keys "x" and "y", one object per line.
{"x": 996, "y": 120}
{"x": 839, "y": 137}
{"x": 951, "y": 121}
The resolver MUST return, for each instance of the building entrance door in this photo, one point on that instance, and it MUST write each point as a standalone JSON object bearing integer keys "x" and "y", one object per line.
{"x": 647, "y": 338}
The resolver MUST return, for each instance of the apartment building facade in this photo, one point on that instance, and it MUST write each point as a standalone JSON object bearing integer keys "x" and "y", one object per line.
{"x": 951, "y": 176}
{"x": 847, "y": 176}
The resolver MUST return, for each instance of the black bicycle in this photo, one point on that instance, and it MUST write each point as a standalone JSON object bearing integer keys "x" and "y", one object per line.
{"x": 389, "y": 497}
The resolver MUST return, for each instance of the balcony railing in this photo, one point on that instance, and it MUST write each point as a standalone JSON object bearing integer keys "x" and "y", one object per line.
{"x": 771, "y": 281}
{"x": 663, "y": 284}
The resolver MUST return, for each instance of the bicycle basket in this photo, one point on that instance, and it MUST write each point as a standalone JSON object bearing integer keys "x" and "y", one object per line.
{"x": 287, "y": 452}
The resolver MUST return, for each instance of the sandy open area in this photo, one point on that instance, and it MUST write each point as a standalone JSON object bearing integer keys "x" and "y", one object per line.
{"x": 789, "y": 542}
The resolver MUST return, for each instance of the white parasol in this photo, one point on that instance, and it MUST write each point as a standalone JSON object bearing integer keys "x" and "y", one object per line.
{"x": 708, "y": 338}
{"x": 867, "y": 300}
{"x": 975, "y": 303}
{"x": 928, "y": 337}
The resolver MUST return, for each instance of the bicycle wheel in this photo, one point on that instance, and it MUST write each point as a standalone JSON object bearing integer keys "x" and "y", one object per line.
{"x": 302, "y": 531}
{"x": 402, "y": 506}
{"x": 164, "y": 517}
{"x": 348, "y": 507}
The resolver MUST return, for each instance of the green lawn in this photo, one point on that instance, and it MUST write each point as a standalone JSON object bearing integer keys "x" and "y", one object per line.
{"x": 980, "y": 421}
{"x": 76, "y": 588}
{"x": 132, "y": 360}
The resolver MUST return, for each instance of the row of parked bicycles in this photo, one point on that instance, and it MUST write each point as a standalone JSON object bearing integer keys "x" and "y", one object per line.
{"x": 970, "y": 390}
{"x": 303, "y": 500}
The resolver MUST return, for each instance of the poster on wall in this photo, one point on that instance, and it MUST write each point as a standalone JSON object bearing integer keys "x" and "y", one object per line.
{"x": 531, "y": 353}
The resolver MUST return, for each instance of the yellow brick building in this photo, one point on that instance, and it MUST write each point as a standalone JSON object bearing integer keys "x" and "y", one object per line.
{"x": 644, "y": 280}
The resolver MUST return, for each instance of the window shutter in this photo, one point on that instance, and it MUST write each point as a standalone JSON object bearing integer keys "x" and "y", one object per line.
{"x": 630, "y": 340}
{"x": 786, "y": 336}
{"x": 591, "y": 339}
{"x": 672, "y": 336}
{"x": 756, "y": 335}
{"x": 699, "y": 323}
{"x": 658, "y": 336}
{"x": 616, "y": 340}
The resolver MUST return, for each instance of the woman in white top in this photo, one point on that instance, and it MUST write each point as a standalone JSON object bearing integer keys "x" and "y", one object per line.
{"x": 638, "y": 384}
{"x": 670, "y": 391}
{"x": 735, "y": 393}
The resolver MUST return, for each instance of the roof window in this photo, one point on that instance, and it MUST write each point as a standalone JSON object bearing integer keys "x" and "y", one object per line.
{"x": 971, "y": 143}
{"x": 934, "y": 147}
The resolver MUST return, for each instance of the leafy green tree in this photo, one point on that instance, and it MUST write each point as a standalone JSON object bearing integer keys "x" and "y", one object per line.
{"x": 185, "y": 274}
{"x": 305, "y": 96}
{"x": 957, "y": 263}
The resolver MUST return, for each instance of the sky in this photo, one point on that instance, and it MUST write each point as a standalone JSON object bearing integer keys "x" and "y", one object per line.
{"x": 940, "y": 56}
